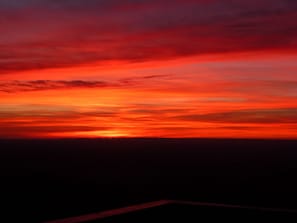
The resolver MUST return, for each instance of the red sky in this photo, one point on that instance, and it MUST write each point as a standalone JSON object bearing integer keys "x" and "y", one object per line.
{"x": 108, "y": 68}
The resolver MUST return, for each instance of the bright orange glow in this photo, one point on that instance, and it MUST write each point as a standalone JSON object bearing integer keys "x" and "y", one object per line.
{"x": 93, "y": 134}
{"x": 137, "y": 75}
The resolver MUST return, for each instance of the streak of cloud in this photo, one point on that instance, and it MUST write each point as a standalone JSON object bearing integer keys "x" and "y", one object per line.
{"x": 259, "y": 116}
{"x": 76, "y": 34}
{"x": 40, "y": 85}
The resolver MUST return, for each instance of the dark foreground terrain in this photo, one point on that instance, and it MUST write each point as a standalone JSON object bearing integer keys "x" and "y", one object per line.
{"x": 191, "y": 213}
{"x": 51, "y": 179}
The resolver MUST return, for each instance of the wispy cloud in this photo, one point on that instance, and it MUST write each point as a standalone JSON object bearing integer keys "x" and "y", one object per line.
{"x": 41, "y": 85}
{"x": 76, "y": 34}
{"x": 140, "y": 79}
{"x": 148, "y": 68}
{"x": 260, "y": 116}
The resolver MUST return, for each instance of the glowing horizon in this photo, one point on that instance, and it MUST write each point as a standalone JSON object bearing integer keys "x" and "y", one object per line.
{"x": 206, "y": 68}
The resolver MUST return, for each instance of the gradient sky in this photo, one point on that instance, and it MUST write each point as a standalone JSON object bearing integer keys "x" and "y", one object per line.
{"x": 148, "y": 68}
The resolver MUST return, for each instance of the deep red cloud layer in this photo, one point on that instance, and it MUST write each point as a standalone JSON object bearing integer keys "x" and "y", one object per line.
{"x": 60, "y": 34}
{"x": 172, "y": 68}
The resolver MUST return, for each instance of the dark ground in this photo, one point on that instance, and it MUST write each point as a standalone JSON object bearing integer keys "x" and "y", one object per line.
{"x": 189, "y": 214}
{"x": 50, "y": 179}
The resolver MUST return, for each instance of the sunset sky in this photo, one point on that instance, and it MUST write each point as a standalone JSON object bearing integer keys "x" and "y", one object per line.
{"x": 148, "y": 68}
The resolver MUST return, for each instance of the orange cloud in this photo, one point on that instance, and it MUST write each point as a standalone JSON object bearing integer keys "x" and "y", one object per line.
{"x": 148, "y": 68}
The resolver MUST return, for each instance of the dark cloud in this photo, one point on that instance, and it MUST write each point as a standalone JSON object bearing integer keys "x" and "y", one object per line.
{"x": 260, "y": 116}
{"x": 281, "y": 88}
{"x": 34, "y": 115}
{"x": 40, "y": 85}
{"x": 134, "y": 80}
{"x": 47, "y": 34}
{"x": 18, "y": 131}
{"x": 50, "y": 128}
